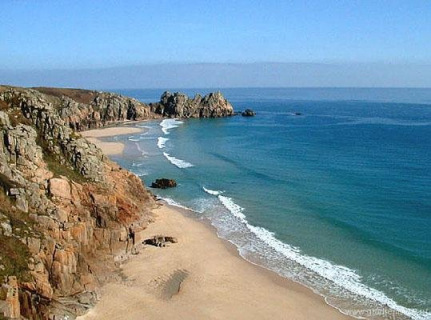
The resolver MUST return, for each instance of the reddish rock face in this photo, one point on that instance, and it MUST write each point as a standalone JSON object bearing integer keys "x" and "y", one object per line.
{"x": 79, "y": 205}
{"x": 12, "y": 299}
{"x": 59, "y": 188}
{"x": 77, "y": 222}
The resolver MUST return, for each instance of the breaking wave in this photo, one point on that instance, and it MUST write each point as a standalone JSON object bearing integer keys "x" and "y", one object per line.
{"x": 343, "y": 277}
{"x": 161, "y": 142}
{"x": 177, "y": 162}
{"x": 168, "y": 124}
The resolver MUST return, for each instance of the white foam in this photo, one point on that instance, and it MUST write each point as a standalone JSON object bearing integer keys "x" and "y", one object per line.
{"x": 139, "y": 169}
{"x": 342, "y": 276}
{"x": 161, "y": 142}
{"x": 172, "y": 202}
{"x": 138, "y": 164}
{"x": 212, "y": 192}
{"x": 235, "y": 209}
{"x": 168, "y": 124}
{"x": 134, "y": 139}
{"x": 177, "y": 162}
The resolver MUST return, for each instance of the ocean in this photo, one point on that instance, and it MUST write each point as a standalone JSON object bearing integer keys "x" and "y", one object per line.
{"x": 328, "y": 187}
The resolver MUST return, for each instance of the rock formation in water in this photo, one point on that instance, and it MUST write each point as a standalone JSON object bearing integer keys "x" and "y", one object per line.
{"x": 164, "y": 183}
{"x": 248, "y": 113}
{"x": 179, "y": 105}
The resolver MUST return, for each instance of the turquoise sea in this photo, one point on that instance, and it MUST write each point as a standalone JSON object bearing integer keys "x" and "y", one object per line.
{"x": 337, "y": 198}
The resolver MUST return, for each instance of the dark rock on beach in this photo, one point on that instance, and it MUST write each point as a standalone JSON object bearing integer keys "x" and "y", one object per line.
{"x": 160, "y": 241}
{"x": 164, "y": 183}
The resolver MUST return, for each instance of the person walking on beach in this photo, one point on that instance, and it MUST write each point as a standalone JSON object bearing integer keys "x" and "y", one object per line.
{"x": 132, "y": 234}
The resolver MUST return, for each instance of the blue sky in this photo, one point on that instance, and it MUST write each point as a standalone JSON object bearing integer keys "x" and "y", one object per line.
{"x": 95, "y": 34}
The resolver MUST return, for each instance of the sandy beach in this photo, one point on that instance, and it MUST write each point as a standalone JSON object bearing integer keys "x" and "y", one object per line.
{"x": 199, "y": 277}
{"x": 109, "y": 148}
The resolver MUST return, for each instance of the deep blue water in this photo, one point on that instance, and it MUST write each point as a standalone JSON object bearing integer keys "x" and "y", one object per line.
{"x": 337, "y": 198}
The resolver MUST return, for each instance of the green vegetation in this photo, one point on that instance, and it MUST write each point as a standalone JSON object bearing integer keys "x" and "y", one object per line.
{"x": 14, "y": 257}
{"x": 3, "y": 294}
{"x": 59, "y": 169}
{"x": 14, "y": 254}
{"x": 79, "y": 95}
{"x": 14, "y": 111}
{"x": 3, "y": 106}
{"x": 56, "y": 166}
{"x": 16, "y": 117}
{"x": 17, "y": 218}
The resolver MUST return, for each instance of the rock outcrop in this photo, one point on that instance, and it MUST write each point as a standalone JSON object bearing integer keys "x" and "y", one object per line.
{"x": 160, "y": 241}
{"x": 248, "y": 113}
{"x": 179, "y": 105}
{"x": 84, "y": 109}
{"x": 65, "y": 211}
{"x": 65, "y": 207}
{"x": 164, "y": 183}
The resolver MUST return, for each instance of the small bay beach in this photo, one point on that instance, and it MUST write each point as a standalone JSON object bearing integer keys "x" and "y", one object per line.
{"x": 200, "y": 277}
{"x": 110, "y": 148}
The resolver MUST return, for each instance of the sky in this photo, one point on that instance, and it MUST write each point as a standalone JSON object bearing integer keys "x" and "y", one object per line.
{"x": 67, "y": 43}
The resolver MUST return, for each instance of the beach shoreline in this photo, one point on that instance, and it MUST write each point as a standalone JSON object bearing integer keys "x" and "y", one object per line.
{"x": 201, "y": 277}
{"x": 110, "y": 148}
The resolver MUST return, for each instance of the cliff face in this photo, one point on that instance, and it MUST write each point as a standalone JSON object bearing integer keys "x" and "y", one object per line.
{"x": 65, "y": 208}
{"x": 84, "y": 109}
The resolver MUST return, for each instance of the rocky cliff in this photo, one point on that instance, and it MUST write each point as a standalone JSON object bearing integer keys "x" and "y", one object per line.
{"x": 65, "y": 208}
{"x": 84, "y": 109}
{"x": 179, "y": 105}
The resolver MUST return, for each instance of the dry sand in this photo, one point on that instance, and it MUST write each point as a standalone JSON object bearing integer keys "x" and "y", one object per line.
{"x": 109, "y": 148}
{"x": 201, "y": 277}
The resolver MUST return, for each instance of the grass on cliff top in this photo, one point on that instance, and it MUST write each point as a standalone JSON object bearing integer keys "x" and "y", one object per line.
{"x": 14, "y": 112}
{"x": 79, "y": 95}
